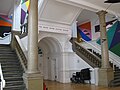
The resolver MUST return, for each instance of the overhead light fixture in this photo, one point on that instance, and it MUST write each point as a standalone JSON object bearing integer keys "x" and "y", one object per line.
{"x": 111, "y": 1}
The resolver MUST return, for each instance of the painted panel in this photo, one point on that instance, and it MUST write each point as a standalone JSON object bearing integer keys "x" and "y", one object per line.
{"x": 24, "y": 11}
{"x": 113, "y": 35}
{"x": 85, "y": 31}
{"x": 5, "y": 25}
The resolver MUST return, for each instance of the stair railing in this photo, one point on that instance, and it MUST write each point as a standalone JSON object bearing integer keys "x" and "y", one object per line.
{"x": 20, "y": 49}
{"x": 112, "y": 57}
{"x": 2, "y": 79}
{"x": 89, "y": 57}
{"x": 7, "y": 37}
{"x": 93, "y": 46}
{"x": 21, "y": 52}
{"x": 24, "y": 30}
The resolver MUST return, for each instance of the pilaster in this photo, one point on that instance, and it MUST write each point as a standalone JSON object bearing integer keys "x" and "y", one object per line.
{"x": 32, "y": 77}
{"x": 33, "y": 81}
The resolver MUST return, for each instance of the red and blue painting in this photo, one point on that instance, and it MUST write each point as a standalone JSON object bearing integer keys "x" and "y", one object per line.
{"x": 85, "y": 31}
{"x": 5, "y": 25}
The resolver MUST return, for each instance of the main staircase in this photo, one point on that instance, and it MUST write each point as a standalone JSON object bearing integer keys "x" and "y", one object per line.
{"x": 94, "y": 60}
{"x": 11, "y": 68}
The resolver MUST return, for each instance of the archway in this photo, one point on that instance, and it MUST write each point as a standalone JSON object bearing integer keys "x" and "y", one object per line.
{"x": 50, "y": 58}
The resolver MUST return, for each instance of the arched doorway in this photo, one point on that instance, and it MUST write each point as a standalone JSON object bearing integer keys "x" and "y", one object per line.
{"x": 50, "y": 58}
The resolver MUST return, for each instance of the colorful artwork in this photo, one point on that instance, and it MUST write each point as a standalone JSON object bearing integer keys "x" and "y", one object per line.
{"x": 24, "y": 11}
{"x": 85, "y": 31}
{"x": 5, "y": 25}
{"x": 113, "y": 35}
{"x": 108, "y": 24}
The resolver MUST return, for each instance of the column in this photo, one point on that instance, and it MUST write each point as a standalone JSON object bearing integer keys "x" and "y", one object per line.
{"x": 74, "y": 29}
{"x": 16, "y": 21}
{"x": 106, "y": 72}
{"x": 32, "y": 77}
{"x": 104, "y": 42}
{"x": 33, "y": 37}
{"x": 16, "y": 16}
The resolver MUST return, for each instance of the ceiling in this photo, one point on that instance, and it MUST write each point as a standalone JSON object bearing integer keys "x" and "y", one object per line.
{"x": 95, "y": 5}
{"x": 6, "y": 6}
{"x": 87, "y": 15}
{"x": 56, "y": 12}
{"x": 90, "y": 7}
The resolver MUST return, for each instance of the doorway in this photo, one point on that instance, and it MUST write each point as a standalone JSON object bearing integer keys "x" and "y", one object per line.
{"x": 51, "y": 58}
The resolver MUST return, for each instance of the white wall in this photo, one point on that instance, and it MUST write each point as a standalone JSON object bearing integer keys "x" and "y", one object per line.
{"x": 6, "y": 39}
{"x": 67, "y": 61}
{"x": 56, "y": 46}
{"x": 16, "y": 17}
{"x": 25, "y": 42}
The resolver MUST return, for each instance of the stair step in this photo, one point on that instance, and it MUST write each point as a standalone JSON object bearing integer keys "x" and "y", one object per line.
{"x": 12, "y": 69}
{"x": 7, "y": 54}
{"x": 8, "y": 57}
{"x": 12, "y": 73}
{"x": 5, "y": 47}
{"x": 10, "y": 63}
{"x": 116, "y": 74}
{"x": 6, "y": 51}
{"x": 10, "y": 66}
{"x": 16, "y": 87}
{"x": 12, "y": 83}
{"x": 9, "y": 60}
{"x": 8, "y": 79}
{"x": 116, "y": 84}
{"x": 117, "y": 77}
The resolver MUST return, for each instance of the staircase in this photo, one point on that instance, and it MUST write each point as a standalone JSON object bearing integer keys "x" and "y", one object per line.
{"x": 86, "y": 55}
{"x": 116, "y": 81}
{"x": 94, "y": 60}
{"x": 12, "y": 70}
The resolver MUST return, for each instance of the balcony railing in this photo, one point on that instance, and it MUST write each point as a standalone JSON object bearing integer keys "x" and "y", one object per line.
{"x": 24, "y": 30}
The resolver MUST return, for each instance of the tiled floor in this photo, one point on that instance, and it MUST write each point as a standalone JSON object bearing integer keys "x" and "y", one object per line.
{"x": 59, "y": 86}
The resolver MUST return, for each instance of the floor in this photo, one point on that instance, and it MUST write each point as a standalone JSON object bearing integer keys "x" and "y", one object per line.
{"x": 59, "y": 86}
